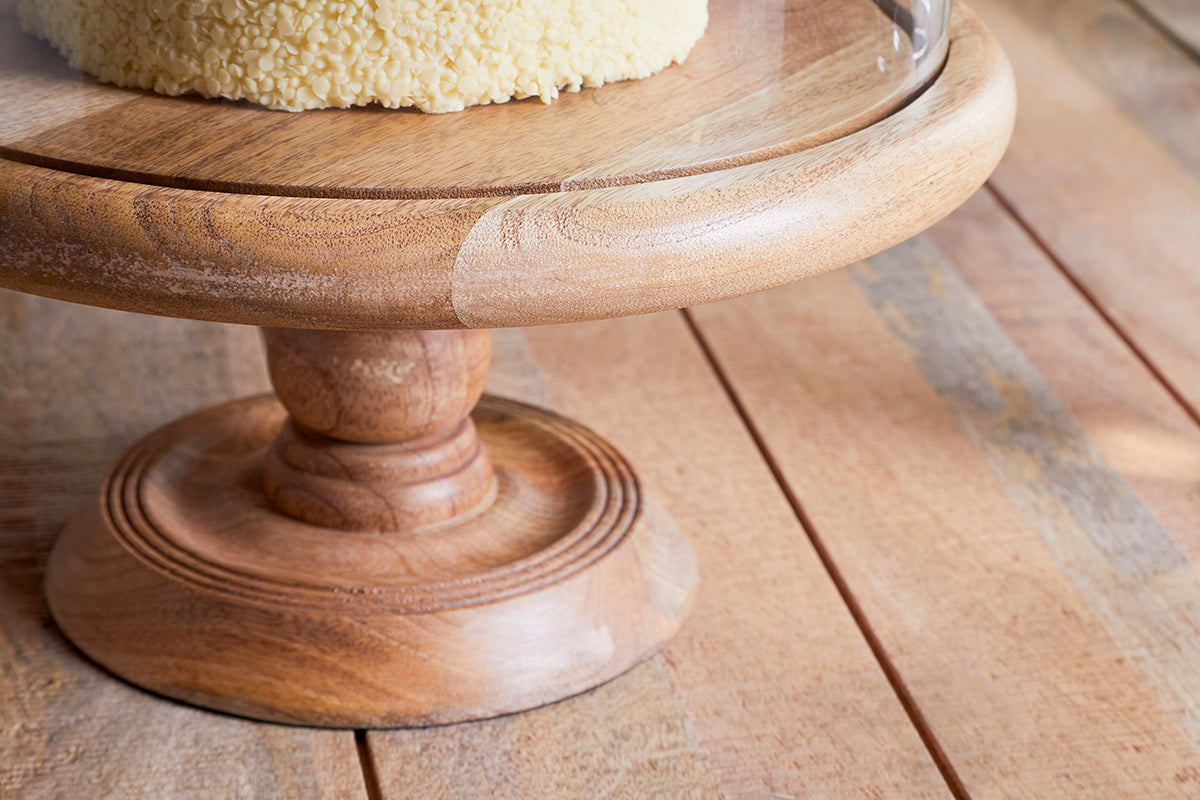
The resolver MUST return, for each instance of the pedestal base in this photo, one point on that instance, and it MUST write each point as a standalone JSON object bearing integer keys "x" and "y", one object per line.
{"x": 184, "y": 580}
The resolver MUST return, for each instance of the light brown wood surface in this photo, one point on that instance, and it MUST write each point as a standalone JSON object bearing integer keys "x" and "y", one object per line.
{"x": 365, "y": 561}
{"x": 480, "y": 260}
{"x": 1124, "y": 60}
{"x": 1030, "y": 665}
{"x": 68, "y": 729}
{"x": 361, "y": 553}
{"x": 1029, "y": 599}
{"x": 1028, "y": 560}
{"x": 1072, "y": 191}
{"x": 407, "y": 396}
{"x": 787, "y": 724}
{"x": 1044, "y": 650}
{"x": 241, "y": 565}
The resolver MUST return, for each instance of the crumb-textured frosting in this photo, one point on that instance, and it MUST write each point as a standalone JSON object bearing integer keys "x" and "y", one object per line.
{"x": 437, "y": 55}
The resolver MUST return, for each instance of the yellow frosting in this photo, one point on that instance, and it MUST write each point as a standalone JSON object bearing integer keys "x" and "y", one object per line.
{"x": 437, "y": 55}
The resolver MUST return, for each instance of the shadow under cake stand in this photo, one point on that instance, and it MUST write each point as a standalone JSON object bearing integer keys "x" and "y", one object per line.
{"x": 376, "y": 546}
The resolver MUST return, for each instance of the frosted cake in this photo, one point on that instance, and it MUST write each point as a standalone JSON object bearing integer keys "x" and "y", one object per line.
{"x": 436, "y": 55}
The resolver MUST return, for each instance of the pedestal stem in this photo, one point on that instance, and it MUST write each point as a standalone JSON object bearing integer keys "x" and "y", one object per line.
{"x": 379, "y": 436}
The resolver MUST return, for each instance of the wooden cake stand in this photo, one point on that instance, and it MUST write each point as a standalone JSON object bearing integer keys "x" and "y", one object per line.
{"x": 367, "y": 550}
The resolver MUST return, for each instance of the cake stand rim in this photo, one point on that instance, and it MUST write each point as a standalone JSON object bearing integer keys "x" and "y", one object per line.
{"x": 501, "y": 261}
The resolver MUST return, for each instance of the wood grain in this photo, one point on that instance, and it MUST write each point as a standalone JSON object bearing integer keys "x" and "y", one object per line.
{"x": 78, "y": 385}
{"x": 379, "y": 435}
{"x": 1043, "y": 670}
{"x": 184, "y": 580}
{"x": 444, "y": 263}
{"x": 330, "y": 261}
{"x": 1039, "y": 614}
{"x": 806, "y": 71}
{"x": 768, "y": 679}
{"x": 1129, "y": 62}
{"x": 1113, "y": 205}
{"x": 631, "y": 737}
{"x": 34, "y": 71}
{"x": 1141, "y": 431}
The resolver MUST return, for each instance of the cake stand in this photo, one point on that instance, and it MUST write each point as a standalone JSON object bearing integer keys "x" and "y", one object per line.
{"x": 375, "y": 545}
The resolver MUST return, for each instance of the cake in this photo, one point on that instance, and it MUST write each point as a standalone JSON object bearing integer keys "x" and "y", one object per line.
{"x": 436, "y": 55}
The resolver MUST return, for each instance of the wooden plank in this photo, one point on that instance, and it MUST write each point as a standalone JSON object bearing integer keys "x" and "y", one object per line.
{"x": 769, "y": 690}
{"x": 1128, "y": 60}
{"x": 630, "y": 738}
{"x": 1116, "y": 207}
{"x": 77, "y": 385}
{"x": 1136, "y": 427}
{"x": 1140, "y": 429}
{"x": 1041, "y": 616}
{"x": 1180, "y": 17}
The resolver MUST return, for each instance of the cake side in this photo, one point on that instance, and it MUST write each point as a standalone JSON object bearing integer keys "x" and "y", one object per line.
{"x": 436, "y": 55}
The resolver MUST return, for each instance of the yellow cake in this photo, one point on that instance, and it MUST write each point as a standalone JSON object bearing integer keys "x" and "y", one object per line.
{"x": 437, "y": 55}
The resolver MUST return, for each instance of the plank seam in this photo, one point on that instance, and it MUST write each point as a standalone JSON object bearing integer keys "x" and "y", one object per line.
{"x": 367, "y": 761}
{"x": 907, "y": 701}
{"x": 1094, "y": 302}
{"x": 1164, "y": 30}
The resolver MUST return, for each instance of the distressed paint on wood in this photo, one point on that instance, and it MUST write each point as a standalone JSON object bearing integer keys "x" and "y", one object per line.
{"x": 1112, "y": 204}
{"x": 1135, "y": 578}
{"x": 1014, "y": 668}
{"x": 1141, "y": 429}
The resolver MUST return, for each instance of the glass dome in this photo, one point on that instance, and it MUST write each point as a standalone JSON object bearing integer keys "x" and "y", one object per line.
{"x": 919, "y": 29}
{"x": 767, "y": 77}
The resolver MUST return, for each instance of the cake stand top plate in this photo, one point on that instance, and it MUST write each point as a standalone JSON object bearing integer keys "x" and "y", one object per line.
{"x": 786, "y": 145}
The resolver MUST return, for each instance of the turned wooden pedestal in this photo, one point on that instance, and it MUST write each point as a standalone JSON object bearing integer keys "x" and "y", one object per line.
{"x": 370, "y": 553}
{"x": 377, "y": 545}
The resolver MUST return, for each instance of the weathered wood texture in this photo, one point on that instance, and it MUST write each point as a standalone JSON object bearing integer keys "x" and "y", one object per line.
{"x": 819, "y": 718}
{"x": 1116, "y": 199}
{"x": 1040, "y": 613}
{"x": 1006, "y": 491}
{"x": 446, "y": 259}
{"x": 181, "y": 208}
{"x": 78, "y": 386}
{"x": 1126, "y": 61}
{"x": 768, "y": 690}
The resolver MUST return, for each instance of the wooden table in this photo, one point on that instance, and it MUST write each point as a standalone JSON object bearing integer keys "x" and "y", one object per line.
{"x": 944, "y": 501}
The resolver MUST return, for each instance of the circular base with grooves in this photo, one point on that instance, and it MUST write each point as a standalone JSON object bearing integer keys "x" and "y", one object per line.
{"x": 184, "y": 580}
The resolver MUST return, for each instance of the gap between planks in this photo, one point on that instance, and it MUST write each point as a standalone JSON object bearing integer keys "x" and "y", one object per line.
{"x": 1163, "y": 29}
{"x": 953, "y": 782}
{"x": 366, "y": 760}
{"x": 901, "y": 691}
{"x": 1093, "y": 302}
